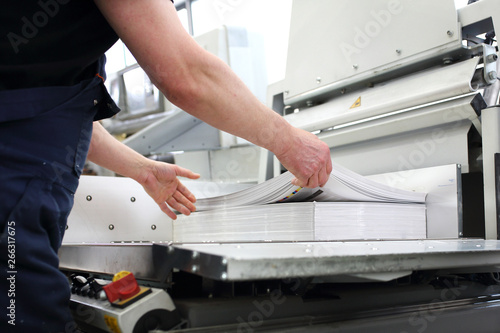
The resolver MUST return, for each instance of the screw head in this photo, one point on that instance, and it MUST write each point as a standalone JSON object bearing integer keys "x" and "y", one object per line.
{"x": 449, "y": 33}
{"x": 132, "y": 199}
{"x": 111, "y": 227}
{"x": 492, "y": 75}
{"x": 89, "y": 198}
{"x": 153, "y": 227}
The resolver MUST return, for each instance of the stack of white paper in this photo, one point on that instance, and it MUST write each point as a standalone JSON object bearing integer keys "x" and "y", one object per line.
{"x": 348, "y": 207}
{"x": 303, "y": 221}
{"x": 370, "y": 220}
{"x": 286, "y": 222}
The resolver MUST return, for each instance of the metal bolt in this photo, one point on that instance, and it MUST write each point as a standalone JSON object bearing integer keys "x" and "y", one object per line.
{"x": 153, "y": 227}
{"x": 286, "y": 92}
{"x": 132, "y": 199}
{"x": 355, "y": 66}
{"x": 89, "y": 198}
{"x": 318, "y": 80}
{"x": 194, "y": 255}
{"x": 491, "y": 58}
{"x": 398, "y": 51}
{"x": 111, "y": 227}
{"x": 96, "y": 102}
{"x": 492, "y": 75}
{"x": 447, "y": 61}
{"x": 223, "y": 276}
{"x": 67, "y": 227}
{"x": 449, "y": 33}
{"x": 194, "y": 269}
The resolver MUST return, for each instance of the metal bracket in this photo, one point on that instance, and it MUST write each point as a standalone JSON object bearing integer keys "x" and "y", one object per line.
{"x": 490, "y": 64}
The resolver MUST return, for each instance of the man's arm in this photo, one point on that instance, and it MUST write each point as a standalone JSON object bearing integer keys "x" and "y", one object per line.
{"x": 158, "y": 179}
{"x": 204, "y": 86}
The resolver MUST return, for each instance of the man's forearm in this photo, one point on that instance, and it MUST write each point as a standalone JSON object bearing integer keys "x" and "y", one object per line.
{"x": 190, "y": 77}
{"x": 204, "y": 86}
{"x": 108, "y": 152}
{"x": 218, "y": 97}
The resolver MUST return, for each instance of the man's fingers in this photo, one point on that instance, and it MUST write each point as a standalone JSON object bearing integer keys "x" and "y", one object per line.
{"x": 172, "y": 202}
{"x": 323, "y": 177}
{"x": 329, "y": 167}
{"x": 187, "y": 193}
{"x": 183, "y": 201}
{"x": 182, "y": 172}
{"x": 313, "y": 182}
{"x": 297, "y": 182}
{"x": 166, "y": 210}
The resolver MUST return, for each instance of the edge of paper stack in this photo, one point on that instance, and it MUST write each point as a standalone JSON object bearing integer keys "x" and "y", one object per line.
{"x": 348, "y": 207}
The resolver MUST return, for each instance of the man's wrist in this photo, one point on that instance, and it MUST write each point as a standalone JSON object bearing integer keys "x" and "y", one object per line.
{"x": 141, "y": 169}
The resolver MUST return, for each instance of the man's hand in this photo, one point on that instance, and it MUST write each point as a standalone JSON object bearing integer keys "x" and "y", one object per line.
{"x": 204, "y": 86}
{"x": 158, "y": 179}
{"x": 162, "y": 184}
{"x": 307, "y": 158}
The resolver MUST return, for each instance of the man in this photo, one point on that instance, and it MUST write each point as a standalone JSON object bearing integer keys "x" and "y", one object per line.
{"x": 51, "y": 94}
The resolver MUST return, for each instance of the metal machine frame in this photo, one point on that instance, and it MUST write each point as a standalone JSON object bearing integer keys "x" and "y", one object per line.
{"x": 373, "y": 94}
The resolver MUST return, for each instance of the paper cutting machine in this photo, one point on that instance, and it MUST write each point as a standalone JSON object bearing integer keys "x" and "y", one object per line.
{"x": 397, "y": 89}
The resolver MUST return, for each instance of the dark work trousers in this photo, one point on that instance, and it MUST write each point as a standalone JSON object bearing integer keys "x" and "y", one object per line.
{"x": 44, "y": 139}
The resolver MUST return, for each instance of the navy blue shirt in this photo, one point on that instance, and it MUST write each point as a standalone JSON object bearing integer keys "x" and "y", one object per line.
{"x": 51, "y": 42}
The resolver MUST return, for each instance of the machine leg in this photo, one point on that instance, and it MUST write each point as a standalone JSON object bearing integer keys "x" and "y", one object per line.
{"x": 490, "y": 119}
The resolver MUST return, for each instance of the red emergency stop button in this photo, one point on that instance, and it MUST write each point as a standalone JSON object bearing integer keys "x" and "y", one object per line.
{"x": 123, "y": 287}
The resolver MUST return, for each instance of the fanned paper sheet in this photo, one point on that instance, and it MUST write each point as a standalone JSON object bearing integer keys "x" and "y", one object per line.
{"x": 348, "y": 207}
{"x": 343, "y": 185}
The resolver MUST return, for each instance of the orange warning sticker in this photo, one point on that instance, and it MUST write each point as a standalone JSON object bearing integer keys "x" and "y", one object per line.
{"x": 356, "y": 104}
